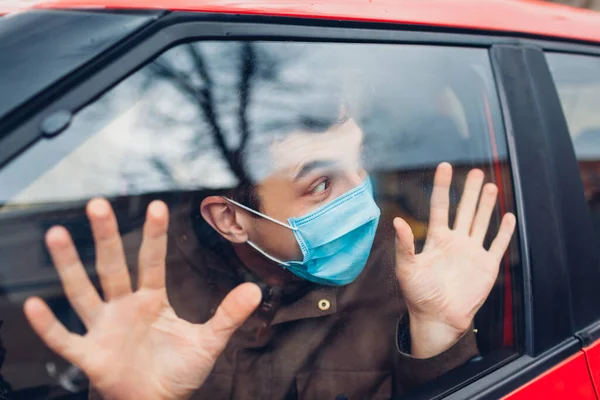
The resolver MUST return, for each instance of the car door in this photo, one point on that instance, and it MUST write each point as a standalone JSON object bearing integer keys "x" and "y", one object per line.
{"x": 576, "y": 79}
{"x": 182, "y": 106}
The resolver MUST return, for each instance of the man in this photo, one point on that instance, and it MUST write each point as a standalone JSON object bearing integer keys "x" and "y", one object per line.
{"x": 330, "y": 324}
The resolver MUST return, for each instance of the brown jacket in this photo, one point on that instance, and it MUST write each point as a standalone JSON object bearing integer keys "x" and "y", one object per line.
{"x": 307, "y": 342}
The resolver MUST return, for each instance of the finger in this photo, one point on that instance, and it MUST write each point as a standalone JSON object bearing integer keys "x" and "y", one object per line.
{"x": 440, "y": 197}
{"x": 484, "y": 212}
{"x": 502, "y": 240}
{"x": 468, "y": 202}
{"x": 77, "y": 285}
{"x": 52, "y": 332}
{"x": 405, "y": 242}
{"x": 235, "y": 309}
{"x": 154, "y": 247}
{"x": 110, "y": 258}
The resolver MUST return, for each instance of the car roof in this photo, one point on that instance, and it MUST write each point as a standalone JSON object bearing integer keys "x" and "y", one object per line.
{"x": 12, "y": 6}
{"x": 511, "y": 16}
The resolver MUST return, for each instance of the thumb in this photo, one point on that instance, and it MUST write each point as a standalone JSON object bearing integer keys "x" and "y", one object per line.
{"x": 405, "y": 242}
{"x": 234, "y": 310}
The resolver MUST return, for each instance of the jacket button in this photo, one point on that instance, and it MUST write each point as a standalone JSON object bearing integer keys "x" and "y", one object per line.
{"x": 324, "y": 305}
{"x": 341, "y": 397}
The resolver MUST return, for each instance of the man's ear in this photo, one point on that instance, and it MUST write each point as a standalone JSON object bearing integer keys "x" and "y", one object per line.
{"x": 225, "y": 218}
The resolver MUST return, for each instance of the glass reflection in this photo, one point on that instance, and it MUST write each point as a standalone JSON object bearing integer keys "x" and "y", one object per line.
{"x": 283, "y": 129}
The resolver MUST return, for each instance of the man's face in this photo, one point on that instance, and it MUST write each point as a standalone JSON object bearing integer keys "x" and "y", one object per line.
{"x": 309, "y": 171}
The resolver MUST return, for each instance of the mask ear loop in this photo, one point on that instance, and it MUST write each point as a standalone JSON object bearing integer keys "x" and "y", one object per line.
{"x": 255, "y": 247}
{"x": 261, "y": 215}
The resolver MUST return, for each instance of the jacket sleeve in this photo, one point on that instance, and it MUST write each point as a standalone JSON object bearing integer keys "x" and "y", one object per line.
{"x": 5, "y": 389}
{"x": 411, "y": 372}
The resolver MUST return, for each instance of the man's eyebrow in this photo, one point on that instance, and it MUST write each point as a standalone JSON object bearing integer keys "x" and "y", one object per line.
{"x": 311, "y": 166}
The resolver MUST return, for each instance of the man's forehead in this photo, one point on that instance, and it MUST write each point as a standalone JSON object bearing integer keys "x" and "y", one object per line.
{"x": 340, "y": 145}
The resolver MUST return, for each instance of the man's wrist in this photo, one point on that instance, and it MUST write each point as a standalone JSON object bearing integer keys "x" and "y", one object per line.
{"x": 430, "y": 337}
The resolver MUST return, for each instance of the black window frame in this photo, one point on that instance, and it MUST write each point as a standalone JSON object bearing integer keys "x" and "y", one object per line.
{"x": 542, "y": 133}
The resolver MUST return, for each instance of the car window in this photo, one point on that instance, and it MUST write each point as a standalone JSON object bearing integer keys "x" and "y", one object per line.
{"x": 577, "y": 80}
{"x": 281, "y": 128}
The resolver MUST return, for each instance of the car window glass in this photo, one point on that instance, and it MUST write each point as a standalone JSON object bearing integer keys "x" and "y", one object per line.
{"x": 214, "y": 118}
{"x": 577, "y": 80}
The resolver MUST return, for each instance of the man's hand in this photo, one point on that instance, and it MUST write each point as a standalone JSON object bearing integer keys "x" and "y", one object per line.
{"x": 446, "y": 284}
{"x": 136, "y": 346}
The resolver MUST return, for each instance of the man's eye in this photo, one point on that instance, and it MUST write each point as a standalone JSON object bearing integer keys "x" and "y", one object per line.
{"x": 321, "y": 187}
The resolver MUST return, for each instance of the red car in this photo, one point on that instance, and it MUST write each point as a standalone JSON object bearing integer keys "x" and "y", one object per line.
{"x": 175, "y": 100}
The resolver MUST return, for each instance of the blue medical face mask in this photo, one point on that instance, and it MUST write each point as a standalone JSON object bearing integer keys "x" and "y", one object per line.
{"x": 335, "y": 239}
